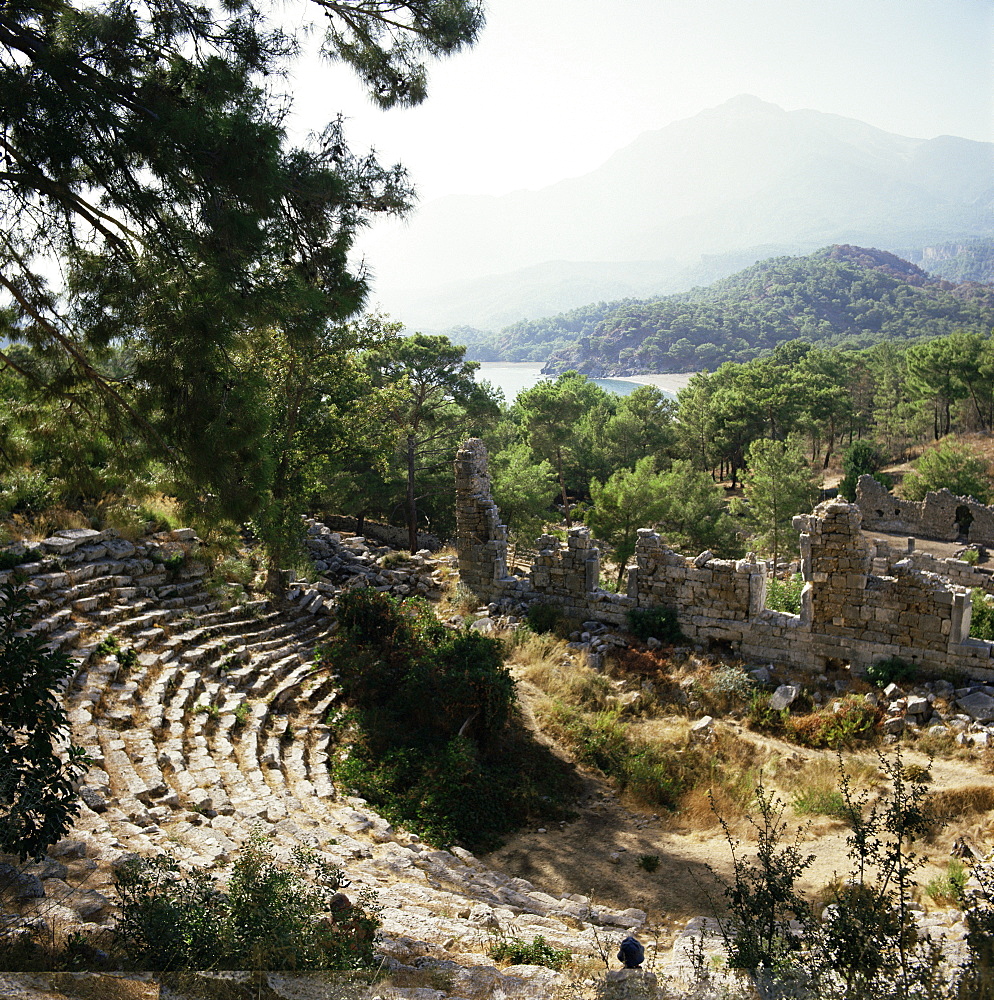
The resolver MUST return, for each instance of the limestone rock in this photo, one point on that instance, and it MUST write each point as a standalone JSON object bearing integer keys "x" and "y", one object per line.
{"x": 784, "y": 696}
{"x": 979, "y": 706}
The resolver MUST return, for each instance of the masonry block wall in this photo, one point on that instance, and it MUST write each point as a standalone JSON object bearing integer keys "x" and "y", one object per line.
{"x": 849, "y": 614}
{"x": 941, "y": 515}
{"x": 480, "y": 537}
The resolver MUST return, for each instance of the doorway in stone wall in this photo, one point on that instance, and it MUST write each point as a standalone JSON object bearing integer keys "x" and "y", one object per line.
{"x": 963, "y": 521}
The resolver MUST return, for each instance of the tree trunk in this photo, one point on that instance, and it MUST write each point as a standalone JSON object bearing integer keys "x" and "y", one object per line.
{"x": 412, "y": 505}
{"x": 359, "y": 522}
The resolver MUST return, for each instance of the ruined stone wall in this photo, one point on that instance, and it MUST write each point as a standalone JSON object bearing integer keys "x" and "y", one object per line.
{"x": 941, "y": 515}
{"x": 955, "y": 571}
{"x": 849, "y": 612}
{"x": 481, "y": 539}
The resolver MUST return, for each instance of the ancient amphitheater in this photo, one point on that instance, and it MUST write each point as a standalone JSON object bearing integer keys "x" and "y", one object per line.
{"x": 192, "y": 752}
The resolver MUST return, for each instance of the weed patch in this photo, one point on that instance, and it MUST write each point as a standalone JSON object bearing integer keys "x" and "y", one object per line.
{"x": 515, "y": 951}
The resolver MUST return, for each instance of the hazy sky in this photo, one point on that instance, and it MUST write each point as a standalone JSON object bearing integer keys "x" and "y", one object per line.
{"x": 555, "y": 86}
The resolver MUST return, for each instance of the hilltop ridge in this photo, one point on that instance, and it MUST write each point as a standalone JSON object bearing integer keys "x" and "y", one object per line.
{"x": 839, "y": 295}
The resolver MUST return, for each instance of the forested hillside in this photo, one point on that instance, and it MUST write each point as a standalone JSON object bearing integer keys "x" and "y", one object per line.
{"x": 840, "y": 295}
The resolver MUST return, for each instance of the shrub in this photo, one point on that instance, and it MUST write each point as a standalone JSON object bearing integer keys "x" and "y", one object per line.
{"x": 861, "y": 458}
{"x": 39, "y": 766}
{"x": 648, "y": 862}
{"x": 982, "y": 622}
{"x": 430, "y": 731}
{"x": 539, "y": 952}
{"x": 9, "y": 559}
{"x": 893, "y": 670}
{"x": 268, "y": 918}
{"x": 655, "y": 623}
{"x": 852, "y": 721}
{"x": 544, "y": 617}
{"x": 724, "y": 688}
{"x": 760, "y": 715}
{"x": 127, "y": 658}
{"x": 948, "y": 466}
{"x": 867, "y": 945}
{"x": 970, "y": 556}
{"x": 107, "y": 646}
{"x": 785, "y": 595}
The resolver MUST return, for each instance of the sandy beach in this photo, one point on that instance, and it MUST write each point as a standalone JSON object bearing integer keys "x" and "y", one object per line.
{"x": 667, "y": 381}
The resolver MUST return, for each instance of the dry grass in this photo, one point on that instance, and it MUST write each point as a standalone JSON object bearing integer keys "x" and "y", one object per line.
{"x": 961, "y": 803}
{"x": 45, "y": 523}
{"x": 543, "y": 660}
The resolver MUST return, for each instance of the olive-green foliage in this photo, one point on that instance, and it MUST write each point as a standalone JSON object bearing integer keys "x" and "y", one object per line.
{"x": 785, "y": 595}
{"x": 948, "y": 466}
{"x": 982, "y": 622}
{"x": 948, "y": 889}
{"x": 539, "y": 952}
{"x": 430, "y": 724}
{"x": 39, "y": 767}
{"x": 845, "y": 725}
{"x": 648, "y": 862}
{"x": 892, "y": 670}
{"x": 267, "y": 918}
{"x": 655, "y": 623}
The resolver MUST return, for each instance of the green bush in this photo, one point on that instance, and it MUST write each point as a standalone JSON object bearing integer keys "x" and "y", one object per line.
{"x": 539, "y": 952}
{"x": 27, "y": 491}
{"x": 648, "y": 862}
{"x": 39, "y": 765}
{"x": 785, "y": 595}
{"x": 893, "y": 670}
{"x": 759, "y": 715}
{"x": 267, "y": 919}
{"x": 861, "y": 458}
{"x": 948, "y": 466}
{"x": 655, "y": 623}
{"x": 982, "y": 622}
{"x": 851, "y": 722}
{"x": 865, "y": 944}
{"x": 431, "y": 730}
{"x": 544, "y": 617}
{"x": 9, "y": 559}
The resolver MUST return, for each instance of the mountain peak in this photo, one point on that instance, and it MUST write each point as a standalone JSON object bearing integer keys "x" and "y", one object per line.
{"x": 747, "y": 104}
